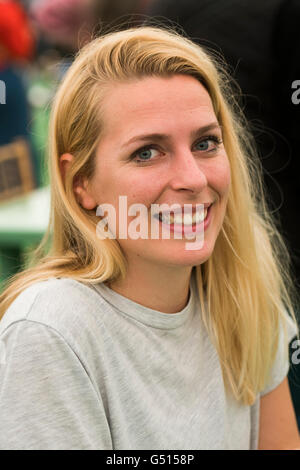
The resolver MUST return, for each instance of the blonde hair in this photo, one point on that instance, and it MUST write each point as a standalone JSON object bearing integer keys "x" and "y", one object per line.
{"x": 246, "y": 280}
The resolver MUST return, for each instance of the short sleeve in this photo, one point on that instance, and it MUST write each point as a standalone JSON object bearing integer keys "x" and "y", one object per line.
{"x": 48, "y": 401}
{"x": 281, "y": 364}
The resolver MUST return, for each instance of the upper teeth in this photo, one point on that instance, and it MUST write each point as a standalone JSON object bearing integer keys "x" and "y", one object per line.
{"x": 187, "y": 219}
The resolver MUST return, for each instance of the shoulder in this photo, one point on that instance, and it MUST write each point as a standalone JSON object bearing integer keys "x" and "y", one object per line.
{"x": 67, "y": 306}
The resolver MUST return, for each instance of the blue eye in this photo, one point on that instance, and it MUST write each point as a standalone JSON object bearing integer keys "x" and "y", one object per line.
{"x": 144, "y": 154}
{"x": 204, "y": 145}
{"x": 148, "y": 153}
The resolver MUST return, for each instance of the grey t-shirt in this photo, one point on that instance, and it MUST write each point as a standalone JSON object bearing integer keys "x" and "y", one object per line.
{"x": 86, "y": 368}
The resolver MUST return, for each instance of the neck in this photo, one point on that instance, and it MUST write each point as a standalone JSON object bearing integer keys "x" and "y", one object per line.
{"x": 161, "y": 288}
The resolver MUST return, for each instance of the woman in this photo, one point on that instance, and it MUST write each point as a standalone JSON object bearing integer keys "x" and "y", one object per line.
{"x": 122, "y": 342}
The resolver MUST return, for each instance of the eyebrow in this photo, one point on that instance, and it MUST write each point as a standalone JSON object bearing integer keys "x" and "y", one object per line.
{"x": 160, "y": 137}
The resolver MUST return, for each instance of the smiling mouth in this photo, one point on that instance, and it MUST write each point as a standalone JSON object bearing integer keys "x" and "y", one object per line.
{"x": 185, "y": 219}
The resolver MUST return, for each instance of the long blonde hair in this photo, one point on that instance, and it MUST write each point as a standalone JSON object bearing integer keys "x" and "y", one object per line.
{"x": 246, "y": 281}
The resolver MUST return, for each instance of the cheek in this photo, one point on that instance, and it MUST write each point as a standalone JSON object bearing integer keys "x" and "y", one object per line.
{"x": 142, "y": 189}
{"x": 220, "y": 177}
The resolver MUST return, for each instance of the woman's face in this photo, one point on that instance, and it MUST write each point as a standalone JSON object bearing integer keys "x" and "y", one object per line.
{"x": 161, "y": 144}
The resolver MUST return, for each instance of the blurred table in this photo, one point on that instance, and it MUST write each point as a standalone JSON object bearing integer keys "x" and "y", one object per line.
{"x": 23, "y": 222}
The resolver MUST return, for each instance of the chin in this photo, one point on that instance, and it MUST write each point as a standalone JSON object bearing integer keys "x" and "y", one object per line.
{"x": 191, "y": 258}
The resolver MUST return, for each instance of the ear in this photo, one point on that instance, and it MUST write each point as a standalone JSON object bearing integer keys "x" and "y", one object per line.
{"x": 64, "y": 164}
{"x": 80, "y": 185}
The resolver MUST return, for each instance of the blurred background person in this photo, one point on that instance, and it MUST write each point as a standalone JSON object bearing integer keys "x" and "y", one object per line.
{"x": 65, "y": 24}
{"x": 61, "y": 27}
{"x": 18, "y": 162}
{"x": 16, "y": 48}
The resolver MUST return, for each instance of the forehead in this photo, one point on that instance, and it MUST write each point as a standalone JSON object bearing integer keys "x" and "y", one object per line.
{"x": 156, "y": 101}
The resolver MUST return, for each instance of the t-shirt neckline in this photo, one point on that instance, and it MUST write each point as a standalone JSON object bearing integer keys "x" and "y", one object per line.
{"x": 146, "y": 315}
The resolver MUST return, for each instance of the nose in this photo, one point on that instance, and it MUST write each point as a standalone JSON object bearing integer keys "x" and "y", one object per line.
{"x": 186, "y": 172}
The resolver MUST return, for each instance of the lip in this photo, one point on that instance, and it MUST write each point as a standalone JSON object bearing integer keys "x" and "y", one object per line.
{"x": 192, "y": 229}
